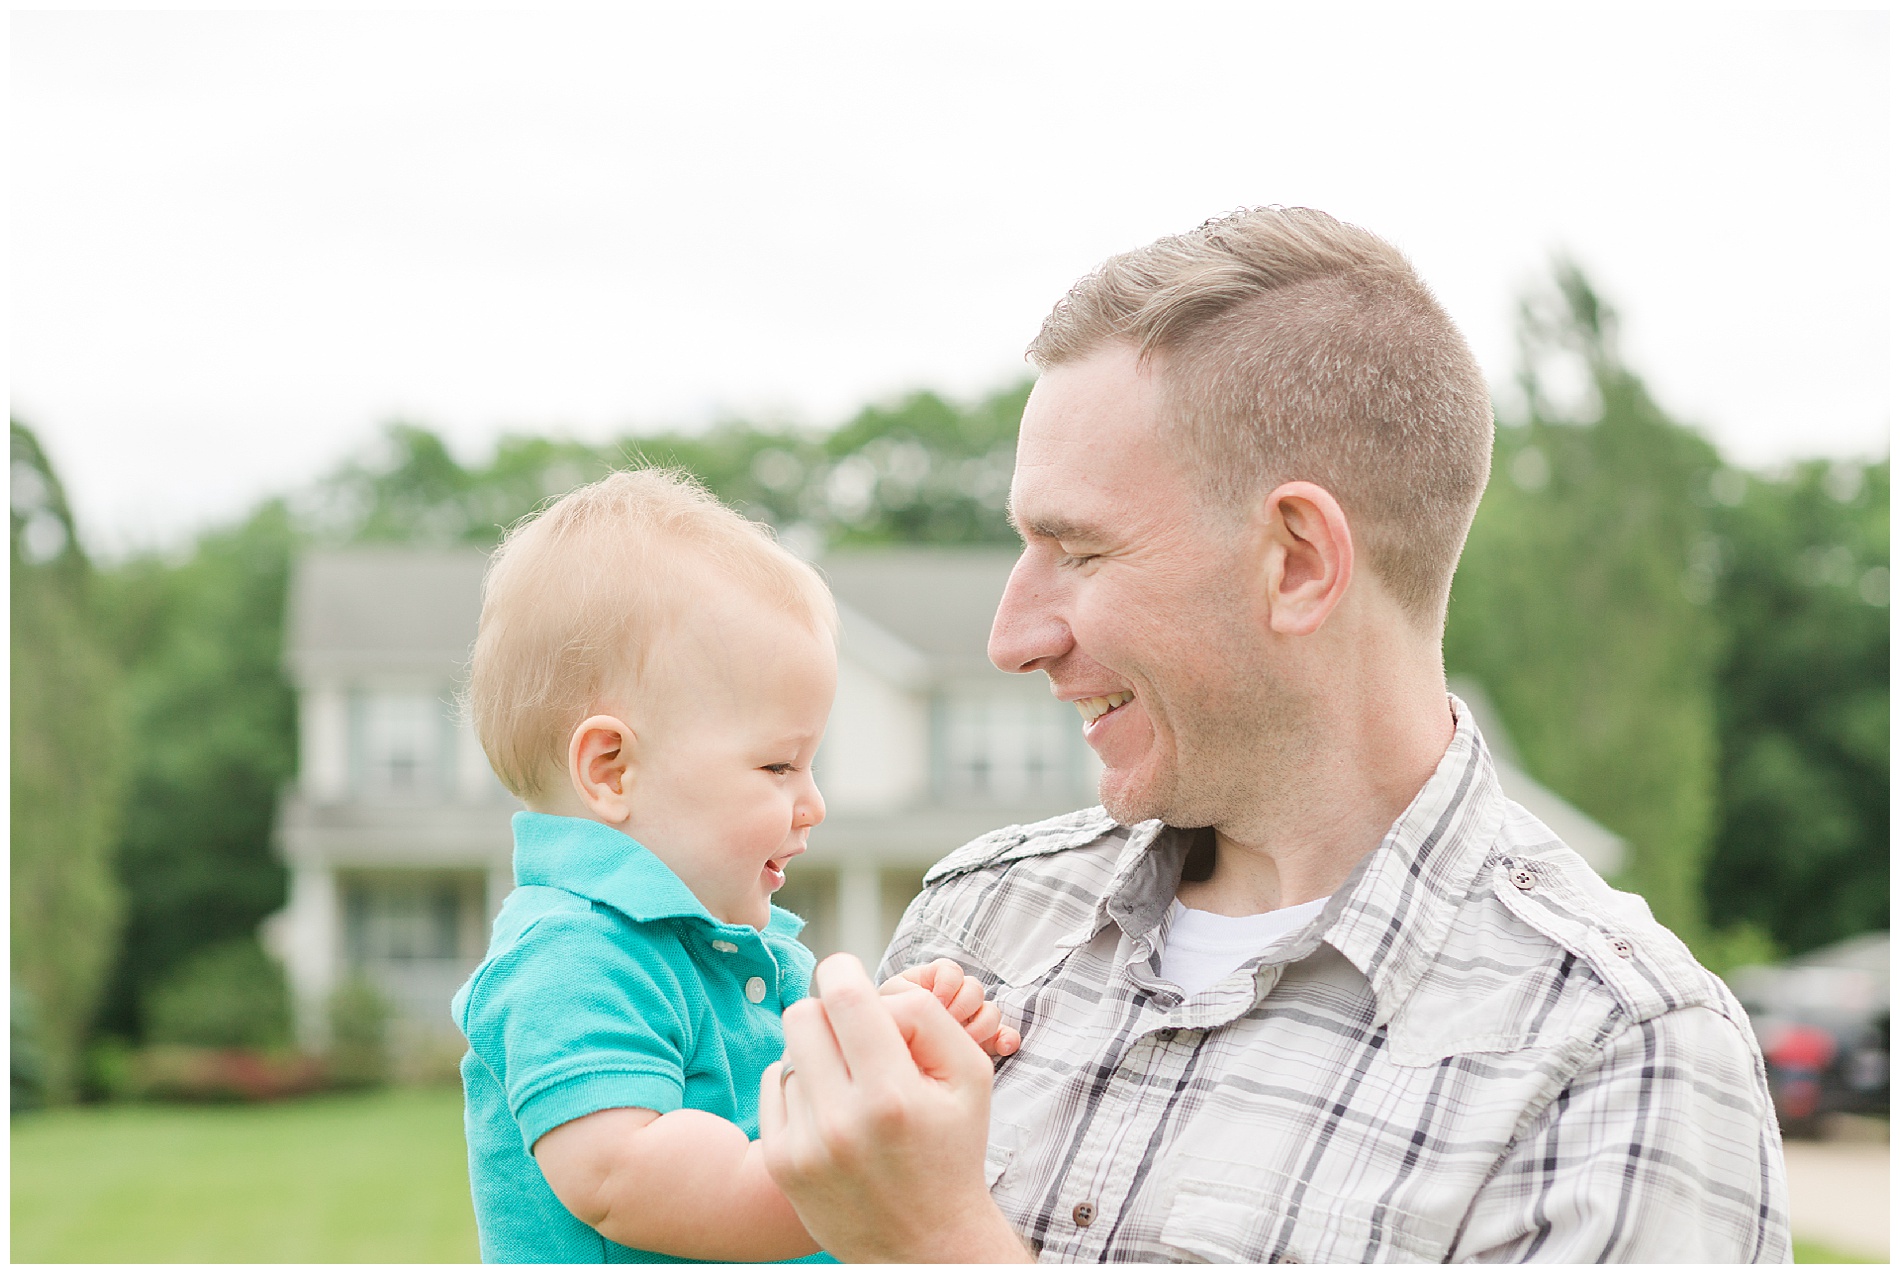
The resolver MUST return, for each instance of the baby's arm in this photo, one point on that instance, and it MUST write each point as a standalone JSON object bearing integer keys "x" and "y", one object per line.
{"x": 963, "y": 996}
{"x": 685, "y": 1183}
{"x": 690, "y": 1184}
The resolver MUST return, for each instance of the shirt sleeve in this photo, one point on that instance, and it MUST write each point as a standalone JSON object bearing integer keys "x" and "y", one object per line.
{"x": 1664, "y": 1149}
{"x": 581, "y": 1014}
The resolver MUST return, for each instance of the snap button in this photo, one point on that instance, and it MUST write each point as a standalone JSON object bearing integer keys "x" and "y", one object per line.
{"x": 720, "y": 944}
{"x": 755, "y": 989}
{"x": 1622, "y": 947}
{"x": 1083, "y": 1214}
{"x": 1524, "y": 878}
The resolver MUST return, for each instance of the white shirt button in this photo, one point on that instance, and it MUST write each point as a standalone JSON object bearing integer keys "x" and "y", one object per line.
{"x": 720, "y": 944}
{"x": 755, "y": 989}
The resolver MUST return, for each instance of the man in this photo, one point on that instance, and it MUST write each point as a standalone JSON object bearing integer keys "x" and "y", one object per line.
{"x": 1307, "y": 987}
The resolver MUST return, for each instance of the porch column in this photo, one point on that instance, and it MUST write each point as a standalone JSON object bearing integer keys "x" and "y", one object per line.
{"x": 860, "y": 918}
{"x": 307, "y": 937}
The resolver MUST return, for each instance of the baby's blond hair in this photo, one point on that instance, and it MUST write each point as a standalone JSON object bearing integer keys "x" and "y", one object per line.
{"x": 578, "y": 595}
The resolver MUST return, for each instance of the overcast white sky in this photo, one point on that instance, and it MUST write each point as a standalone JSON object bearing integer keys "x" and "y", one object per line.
{"x": 241, "y": 241}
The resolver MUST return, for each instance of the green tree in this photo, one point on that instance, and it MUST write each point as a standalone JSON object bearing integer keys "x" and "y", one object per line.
{"x": 1801, "y": 563}
{"x": 411, "y": 490}
{"x": 923, "y": 470}
{"x": 1578, "y": 604}
{"x": 68, "y": 754}
{"x": 202, "y": 642}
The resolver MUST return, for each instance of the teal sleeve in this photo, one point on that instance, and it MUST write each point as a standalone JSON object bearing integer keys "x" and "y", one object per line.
{"x": 581, "y": 1013}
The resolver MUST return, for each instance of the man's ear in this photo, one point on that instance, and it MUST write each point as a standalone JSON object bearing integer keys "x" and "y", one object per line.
{"x": 1309, "y": 557}
{"x": 600, "y": 765}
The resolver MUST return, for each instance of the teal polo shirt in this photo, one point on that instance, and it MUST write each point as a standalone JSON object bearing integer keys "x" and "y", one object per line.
{"x": 606, "y": 984}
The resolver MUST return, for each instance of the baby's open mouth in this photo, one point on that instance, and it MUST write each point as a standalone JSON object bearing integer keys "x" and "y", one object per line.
{"x": 1095, "y": 708}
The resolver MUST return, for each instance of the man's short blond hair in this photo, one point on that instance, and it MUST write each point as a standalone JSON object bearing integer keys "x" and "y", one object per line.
{"x": 1289, "y": 346}
{"x": 578, "y": 596}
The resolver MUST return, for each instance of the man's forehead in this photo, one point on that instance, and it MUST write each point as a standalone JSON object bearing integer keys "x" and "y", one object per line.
{"x": 1087, "y": 450}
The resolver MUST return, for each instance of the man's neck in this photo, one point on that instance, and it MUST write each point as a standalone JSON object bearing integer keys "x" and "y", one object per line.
{"x": 1331, "y": 804}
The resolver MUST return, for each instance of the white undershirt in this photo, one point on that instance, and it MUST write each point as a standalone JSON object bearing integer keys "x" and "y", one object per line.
{"x": 1201, "y": 947}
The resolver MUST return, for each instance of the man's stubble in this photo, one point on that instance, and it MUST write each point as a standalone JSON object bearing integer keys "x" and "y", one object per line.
{"x": 1238, "y": 733}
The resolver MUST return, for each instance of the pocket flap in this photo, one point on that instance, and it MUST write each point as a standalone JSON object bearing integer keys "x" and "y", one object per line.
{"x": 1227, "y": 1222}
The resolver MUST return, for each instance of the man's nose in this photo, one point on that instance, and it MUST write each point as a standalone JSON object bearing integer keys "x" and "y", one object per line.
{"x": 1029, "y": 631}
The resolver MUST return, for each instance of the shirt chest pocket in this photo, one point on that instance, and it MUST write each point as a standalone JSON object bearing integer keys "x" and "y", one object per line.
{"x": 1229, "y": 1222}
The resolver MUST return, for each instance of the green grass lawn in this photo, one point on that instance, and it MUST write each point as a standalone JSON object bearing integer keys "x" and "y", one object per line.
{"x": 1806, "y": 1253}
{"x": 375, "y": 1177}
{"x": 371, "y": 1177}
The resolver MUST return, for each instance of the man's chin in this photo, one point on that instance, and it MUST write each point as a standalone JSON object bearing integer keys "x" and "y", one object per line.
{"x": 1127, "y": 800}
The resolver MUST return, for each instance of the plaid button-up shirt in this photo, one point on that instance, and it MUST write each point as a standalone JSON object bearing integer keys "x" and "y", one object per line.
{"x": 1477, "y": 1051}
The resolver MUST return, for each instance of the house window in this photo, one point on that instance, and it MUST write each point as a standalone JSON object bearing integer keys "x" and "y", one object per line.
{"x": 397, "y": 919}
{"x": 402, "y": 741}
{"x": 414, "y": 936}
{"x": 1004, "y": 748}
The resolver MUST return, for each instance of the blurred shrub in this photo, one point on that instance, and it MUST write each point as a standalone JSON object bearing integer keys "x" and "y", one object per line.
{"x": 228, "y": 996}
{"x": 429, "y": 1060}
{"x": 29, "y": 1068}
{"x": 110, "y": 1062}
{"x": 359, "y": 1036}
{"x": 181, "y": 1072}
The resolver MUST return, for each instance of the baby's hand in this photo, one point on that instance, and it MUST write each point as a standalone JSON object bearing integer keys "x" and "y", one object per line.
{"x": 963, "y": 996}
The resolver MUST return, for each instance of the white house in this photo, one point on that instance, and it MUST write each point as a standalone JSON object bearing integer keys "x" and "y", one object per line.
{"x": 396, "y": 832}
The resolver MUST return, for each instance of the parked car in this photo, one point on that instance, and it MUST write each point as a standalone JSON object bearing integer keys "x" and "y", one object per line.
{"x": 1824, "y": 1023}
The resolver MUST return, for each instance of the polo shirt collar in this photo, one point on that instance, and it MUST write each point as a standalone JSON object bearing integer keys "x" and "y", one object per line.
{"x": 595, "y": 861}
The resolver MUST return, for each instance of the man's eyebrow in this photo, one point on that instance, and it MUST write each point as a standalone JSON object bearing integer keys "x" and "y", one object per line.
{"x": 1056, "y": 527}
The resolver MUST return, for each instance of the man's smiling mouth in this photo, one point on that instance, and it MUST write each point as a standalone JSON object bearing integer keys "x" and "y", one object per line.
{"x": 1098, "y": 706}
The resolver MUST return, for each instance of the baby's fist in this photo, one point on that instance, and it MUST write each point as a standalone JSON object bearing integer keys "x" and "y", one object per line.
{"x": 962, "y": 995}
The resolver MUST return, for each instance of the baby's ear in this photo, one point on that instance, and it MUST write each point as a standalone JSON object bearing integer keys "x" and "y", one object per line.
{"x": 600, "y": 765}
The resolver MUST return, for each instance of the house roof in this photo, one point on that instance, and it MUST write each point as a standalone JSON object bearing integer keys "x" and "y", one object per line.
{"x": 937, "y": 601}
{"x": 382, "y": 610}
{"x": 364, "y": 608}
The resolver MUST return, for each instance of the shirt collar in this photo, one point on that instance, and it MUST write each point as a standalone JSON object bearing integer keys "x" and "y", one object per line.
{"x": 595, "y": 861}
{"x": 1392, "y": 915}
{"x": 1396, "y": 909}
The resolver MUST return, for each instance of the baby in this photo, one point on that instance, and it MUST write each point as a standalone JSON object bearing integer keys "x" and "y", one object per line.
{"x": 652, "y": 678}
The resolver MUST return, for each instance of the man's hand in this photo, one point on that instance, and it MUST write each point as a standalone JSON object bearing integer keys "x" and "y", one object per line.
{"x": 878, "y": 1137}
{"x": 962, "y": 996}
